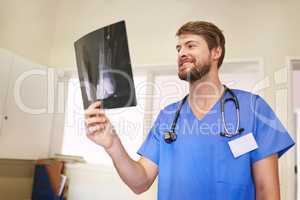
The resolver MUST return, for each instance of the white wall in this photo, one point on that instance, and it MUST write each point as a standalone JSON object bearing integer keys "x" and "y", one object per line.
{"x": 265, "y": 29}
{"x": 27, "y": 27}
{"x": 44, "y": 30}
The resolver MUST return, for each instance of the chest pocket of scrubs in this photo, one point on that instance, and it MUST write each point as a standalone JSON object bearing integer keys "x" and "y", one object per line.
{"x": 230, "y": 169}
{"x": 232, "y": 172}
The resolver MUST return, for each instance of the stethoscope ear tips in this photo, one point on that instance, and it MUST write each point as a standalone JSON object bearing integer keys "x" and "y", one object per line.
{"x": 170, "y": 137}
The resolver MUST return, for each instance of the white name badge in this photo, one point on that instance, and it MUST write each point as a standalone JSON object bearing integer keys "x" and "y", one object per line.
{"x": 242, "y": 145}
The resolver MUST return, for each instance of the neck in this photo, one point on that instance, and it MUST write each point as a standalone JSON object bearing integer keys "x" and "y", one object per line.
{"x": 205, "y": 92}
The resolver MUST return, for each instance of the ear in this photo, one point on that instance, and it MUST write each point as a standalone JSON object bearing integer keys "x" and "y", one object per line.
{"x": 216, "y": 53}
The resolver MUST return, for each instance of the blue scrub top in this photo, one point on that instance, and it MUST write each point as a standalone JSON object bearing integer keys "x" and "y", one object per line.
{"x": 199, "y": 164}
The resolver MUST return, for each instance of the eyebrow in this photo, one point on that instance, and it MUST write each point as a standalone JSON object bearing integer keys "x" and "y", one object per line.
{"x": 187, "y": 42}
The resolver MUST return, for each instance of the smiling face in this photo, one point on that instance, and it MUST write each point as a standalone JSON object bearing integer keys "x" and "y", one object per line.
{"x": 194, "y": 57}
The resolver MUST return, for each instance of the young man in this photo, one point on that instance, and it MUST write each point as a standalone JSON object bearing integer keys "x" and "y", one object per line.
{"x": 201, "y": 163}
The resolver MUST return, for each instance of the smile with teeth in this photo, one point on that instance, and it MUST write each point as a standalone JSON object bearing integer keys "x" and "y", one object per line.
{"x": 186, "y": 60}
{"x": 185, "y": 64}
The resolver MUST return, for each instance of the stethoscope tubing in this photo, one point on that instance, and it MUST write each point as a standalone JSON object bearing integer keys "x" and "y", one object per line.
{"x": 171, "y": 135}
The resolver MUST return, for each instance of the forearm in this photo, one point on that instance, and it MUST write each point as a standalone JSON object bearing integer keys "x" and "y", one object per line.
{"x": 130, "y": 171}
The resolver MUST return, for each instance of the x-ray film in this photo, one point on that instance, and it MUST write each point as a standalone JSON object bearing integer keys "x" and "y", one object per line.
{"x": 104, "y": 67}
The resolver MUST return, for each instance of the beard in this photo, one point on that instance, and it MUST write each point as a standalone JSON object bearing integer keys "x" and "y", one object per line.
{"x": 195, "y": 73}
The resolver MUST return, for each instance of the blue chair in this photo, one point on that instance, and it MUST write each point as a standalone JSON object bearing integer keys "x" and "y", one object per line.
{"x": 42, "y": 189}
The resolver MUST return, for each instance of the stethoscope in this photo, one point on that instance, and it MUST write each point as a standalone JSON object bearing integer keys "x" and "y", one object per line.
{"x": 171, "y": 136}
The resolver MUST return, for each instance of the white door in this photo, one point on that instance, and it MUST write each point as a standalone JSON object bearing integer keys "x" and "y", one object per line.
{"x": 297, "y": 129}
{"x": 26, "y": 130}
{"x": 293, "y": 69}
{"x": 6, "y": 60}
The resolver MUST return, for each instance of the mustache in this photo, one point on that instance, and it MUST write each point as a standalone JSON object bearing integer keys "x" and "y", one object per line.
{"x": 181, "y": 61}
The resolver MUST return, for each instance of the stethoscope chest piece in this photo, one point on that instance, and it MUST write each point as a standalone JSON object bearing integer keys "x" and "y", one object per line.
{"x": 170, "y": 137}
{"x": 228, "y": 135}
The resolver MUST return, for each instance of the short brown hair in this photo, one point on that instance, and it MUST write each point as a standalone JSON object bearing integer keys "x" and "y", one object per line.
{"x": 210, "y": 32}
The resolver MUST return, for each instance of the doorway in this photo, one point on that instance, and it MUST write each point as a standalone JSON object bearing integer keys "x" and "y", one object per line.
{"x": 294, "y": 113}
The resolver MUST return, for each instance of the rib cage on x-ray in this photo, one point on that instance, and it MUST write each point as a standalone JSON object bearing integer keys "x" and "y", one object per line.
{"x": 106, "y": 85}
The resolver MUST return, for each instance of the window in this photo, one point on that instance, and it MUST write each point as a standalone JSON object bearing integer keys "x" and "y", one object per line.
{"x": 128, "y": 122}
{"x": 168, "y": 89}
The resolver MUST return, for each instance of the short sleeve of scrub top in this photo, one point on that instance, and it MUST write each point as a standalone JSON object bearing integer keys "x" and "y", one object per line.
{"x": 150, "y": 147}
{"x": 270, "y": 134}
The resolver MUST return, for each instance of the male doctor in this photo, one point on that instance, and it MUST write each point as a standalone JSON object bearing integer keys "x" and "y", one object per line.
{"x": 200, "y": 163}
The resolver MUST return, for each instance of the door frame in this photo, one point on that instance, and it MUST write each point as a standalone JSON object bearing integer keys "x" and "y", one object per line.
{"x": 295, "y": 189}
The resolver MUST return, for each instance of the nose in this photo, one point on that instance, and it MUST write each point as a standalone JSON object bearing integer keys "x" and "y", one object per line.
{"x": 182, "y": 53}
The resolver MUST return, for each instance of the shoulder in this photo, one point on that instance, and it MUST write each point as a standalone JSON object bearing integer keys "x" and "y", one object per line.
{"x": 252, "y": 103}
{"x": 244, "y": 93}
{"x": 171, "y": 107}
{"x": 168, "y": 112}
{"x": 255, "y": 104}
{"x": 248, "y": 98}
